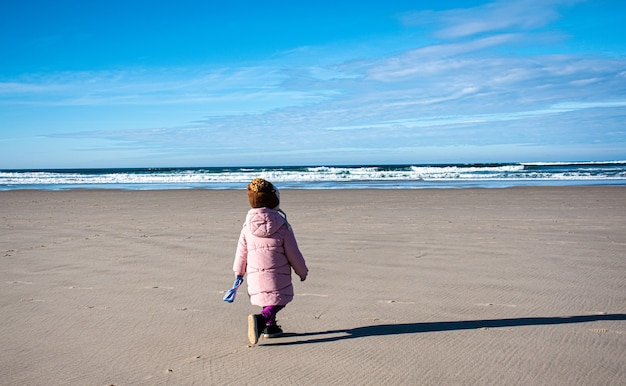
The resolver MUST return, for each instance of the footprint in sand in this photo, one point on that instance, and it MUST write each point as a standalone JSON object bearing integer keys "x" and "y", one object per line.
{"x": 496, "y": 304}
{"x": 605, "y": 331}
{"x": 189, "y": 309}
{"x": 97, "y": 307}
{"x": 391, "y": 301}
{"x": 317, "y": 295}
{"x": 380, "y": 321}
{"x": 158, "y": 287}
{"x": 30, "y": 300}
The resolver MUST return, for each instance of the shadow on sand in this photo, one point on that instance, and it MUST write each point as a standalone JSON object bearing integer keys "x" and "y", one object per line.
{"x": 414, "y": 328}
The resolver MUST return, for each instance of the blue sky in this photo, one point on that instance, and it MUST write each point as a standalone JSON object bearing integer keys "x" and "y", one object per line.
{"x": 235, "y": 83}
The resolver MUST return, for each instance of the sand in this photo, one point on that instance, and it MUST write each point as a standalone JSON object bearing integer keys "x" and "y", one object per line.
{"x": 455, "y": 287}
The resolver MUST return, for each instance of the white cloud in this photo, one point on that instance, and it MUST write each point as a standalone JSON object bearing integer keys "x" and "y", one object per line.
{"x": 496, "y": 16}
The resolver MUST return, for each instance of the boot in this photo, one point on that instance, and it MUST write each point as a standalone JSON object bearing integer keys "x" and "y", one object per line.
{"x": 256, "y": 324}
{"x": 272, "y": 331}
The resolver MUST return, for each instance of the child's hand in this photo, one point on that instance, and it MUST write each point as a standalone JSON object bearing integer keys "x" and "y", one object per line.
{"x": 302, "y": 278}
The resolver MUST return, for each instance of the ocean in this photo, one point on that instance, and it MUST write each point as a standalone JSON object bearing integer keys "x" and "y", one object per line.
{"x": 499, "y": 175}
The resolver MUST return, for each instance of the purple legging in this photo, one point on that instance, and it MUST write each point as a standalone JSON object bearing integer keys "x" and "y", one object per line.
{"x": 269, "y": 313}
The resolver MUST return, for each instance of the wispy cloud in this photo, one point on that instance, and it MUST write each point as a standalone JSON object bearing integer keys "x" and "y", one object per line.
{"x": 258, "y": 87}
{"x": 411, "y": 90}
{"x": 522, "y": 15}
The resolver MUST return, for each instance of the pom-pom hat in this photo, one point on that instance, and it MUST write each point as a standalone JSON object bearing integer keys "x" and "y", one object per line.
{"x": 262, "y": 194}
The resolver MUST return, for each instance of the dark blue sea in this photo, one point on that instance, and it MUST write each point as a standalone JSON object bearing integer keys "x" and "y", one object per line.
{"x": 499, "y": 175}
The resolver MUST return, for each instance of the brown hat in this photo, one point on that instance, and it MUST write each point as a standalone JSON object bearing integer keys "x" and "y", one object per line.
{"x": 262, "y": 194}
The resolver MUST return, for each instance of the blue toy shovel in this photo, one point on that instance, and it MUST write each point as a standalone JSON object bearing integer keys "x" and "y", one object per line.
{"x": 231, "y": 293}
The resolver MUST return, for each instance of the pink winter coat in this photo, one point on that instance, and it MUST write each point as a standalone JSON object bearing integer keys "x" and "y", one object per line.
{"x": 267, "y": 251}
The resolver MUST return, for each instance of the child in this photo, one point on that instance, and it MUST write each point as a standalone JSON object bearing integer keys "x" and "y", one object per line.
{"x": 267, "y": 251}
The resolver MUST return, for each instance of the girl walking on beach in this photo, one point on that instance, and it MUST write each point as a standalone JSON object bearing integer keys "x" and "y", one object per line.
{"x": 267, "y": 251}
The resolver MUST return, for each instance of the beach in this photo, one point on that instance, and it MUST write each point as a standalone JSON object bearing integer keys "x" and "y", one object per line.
{"x": 512, "y": 286}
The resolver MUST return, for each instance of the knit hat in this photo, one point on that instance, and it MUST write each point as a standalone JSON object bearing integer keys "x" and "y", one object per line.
{"x": 262, "y": 194}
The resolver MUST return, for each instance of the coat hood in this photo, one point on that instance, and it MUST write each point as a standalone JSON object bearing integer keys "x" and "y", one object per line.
{"x": 264, "y": 222}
